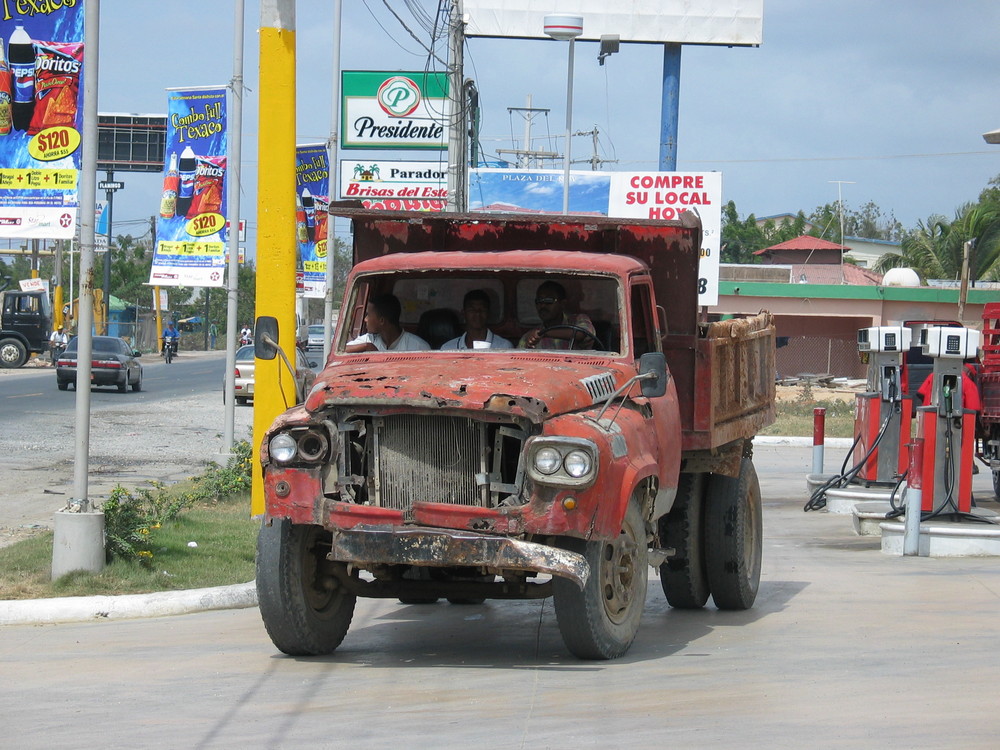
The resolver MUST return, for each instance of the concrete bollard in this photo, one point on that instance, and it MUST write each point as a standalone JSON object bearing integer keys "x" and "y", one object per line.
{"x": 914, "y": 501}
{"x": 819, "y": 439}
{"x": 77, "y": 543}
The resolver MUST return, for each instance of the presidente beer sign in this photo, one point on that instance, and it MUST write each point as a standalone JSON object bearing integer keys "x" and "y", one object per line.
{"x": 393, "y": 110}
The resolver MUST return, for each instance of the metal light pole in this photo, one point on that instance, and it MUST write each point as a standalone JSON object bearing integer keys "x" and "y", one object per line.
{"x": 840, "y": 206}
{"x": 333, "y": 143}
{"x": 565, "y": 27}
{"x": 232, "y": 280}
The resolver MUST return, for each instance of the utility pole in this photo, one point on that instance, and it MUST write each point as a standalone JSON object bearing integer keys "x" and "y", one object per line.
{"x": 525, "y": 156}
{"x": 332, "y": 145}
{"x": 276, "y": 246}
{"x": 595, "y": 160}
{"x": 458, "y": 188}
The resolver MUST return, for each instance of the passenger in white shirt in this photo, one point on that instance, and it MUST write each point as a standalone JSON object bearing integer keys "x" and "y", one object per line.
{"x": 384, "y": 332}
{"x": 476, "y": 310}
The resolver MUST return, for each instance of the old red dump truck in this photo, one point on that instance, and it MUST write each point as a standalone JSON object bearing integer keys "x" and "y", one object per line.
{"x": 521, "y": 473}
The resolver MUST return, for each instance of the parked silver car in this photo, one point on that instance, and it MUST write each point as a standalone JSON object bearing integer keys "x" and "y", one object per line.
{"x": 245, "y": 365}
{"x": 315, "y": 340}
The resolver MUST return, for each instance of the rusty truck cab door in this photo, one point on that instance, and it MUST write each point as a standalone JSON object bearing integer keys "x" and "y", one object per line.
{"x": 664, "y": 421}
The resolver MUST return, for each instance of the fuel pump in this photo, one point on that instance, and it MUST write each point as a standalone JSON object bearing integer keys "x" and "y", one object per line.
{"x": 947, "y": 426}
{"x": 883, "y": 414}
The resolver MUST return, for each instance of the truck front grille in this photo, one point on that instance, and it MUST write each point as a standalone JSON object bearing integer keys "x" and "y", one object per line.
{"x": 428, "y": 458}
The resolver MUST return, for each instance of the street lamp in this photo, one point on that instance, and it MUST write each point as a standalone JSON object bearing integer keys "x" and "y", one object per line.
{"x": 566, "y": 28}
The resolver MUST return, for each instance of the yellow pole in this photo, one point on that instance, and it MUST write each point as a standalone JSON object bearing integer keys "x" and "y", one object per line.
{"x": 276, "y": 249}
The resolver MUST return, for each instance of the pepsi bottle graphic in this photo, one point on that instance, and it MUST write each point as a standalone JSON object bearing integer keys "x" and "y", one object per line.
{"x": 309, "y": 208}
{"x": 6, "y": 115}
{"x": 21, "y": 56}
{"x": 185, "y": 190}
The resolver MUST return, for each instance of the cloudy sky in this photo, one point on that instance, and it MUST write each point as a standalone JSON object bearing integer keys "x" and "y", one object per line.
{"x": 891, "y": 97}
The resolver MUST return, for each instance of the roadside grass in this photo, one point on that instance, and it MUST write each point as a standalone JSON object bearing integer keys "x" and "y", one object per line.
{"x": 795, "y": 418}
{"x": 213, "y": 511}
{"x": 224, "y": 533}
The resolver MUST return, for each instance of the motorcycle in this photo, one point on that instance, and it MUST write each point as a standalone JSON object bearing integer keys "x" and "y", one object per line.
{"x": 169, "y": 350}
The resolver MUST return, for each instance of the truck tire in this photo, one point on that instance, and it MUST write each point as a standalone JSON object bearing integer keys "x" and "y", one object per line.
{"x": 683, "y": 576}
{"x": 12, "y": 353}
{"x": 305, "y": 612}
{"x": 600, "y": 621}
{"x": 733, "y": 537}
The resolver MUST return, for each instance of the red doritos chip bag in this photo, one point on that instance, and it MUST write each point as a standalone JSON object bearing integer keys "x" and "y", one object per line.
{"x": 209, "y": 177}
{"x": 58, "y": 66}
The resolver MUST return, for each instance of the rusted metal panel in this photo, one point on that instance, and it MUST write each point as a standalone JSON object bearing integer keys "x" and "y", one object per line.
{"x": 733, "y": 382}
{"x": 374, "y": 545}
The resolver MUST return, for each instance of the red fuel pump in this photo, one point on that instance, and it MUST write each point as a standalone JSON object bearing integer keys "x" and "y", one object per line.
{"x": 883, "y": 414}
{"x": 948, "y": 422}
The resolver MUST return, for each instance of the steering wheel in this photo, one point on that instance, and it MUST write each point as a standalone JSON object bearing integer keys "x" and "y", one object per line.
{"x": 598, "y": 344}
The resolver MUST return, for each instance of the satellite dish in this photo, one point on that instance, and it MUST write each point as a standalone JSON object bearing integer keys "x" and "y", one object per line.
{"x": 901, "y": 277}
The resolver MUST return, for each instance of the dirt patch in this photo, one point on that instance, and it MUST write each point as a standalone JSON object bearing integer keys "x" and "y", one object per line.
{"x": 819, "y": 393}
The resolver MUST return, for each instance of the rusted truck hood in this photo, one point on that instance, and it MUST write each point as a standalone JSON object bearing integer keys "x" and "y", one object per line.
{"x": 533, "y": 386}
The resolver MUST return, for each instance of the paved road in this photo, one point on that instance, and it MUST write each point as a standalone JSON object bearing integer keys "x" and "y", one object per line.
{"x": 166, "y": 433}
{"x": 846, "y": 648}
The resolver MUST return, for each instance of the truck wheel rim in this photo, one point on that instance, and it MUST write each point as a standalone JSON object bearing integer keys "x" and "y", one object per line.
{"x": 618, "y": 574}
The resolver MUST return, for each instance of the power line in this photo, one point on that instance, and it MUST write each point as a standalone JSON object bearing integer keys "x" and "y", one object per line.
{"x": 794, "y": 159}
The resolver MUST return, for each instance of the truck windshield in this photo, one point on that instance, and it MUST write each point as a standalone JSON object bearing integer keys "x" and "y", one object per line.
{"x": 433, "y": 307}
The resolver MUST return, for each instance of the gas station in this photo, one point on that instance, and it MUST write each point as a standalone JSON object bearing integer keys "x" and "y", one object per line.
{"x": 908, "y": 473}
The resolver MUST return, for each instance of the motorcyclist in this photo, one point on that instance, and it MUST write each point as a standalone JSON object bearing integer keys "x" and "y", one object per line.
{"x": 57, "y": 343}
{"x": 171, "y": 336}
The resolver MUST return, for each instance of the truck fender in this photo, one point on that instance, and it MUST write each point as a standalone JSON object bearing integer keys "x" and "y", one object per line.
{"x": 608, "y": 519}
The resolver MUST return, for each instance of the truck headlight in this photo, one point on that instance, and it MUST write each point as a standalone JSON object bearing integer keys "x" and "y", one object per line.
{"x": 548, "y": 461}
{"x": 577, "y": 463}
{"x": 562, "y": 461}
{"x": 282, "y": 448}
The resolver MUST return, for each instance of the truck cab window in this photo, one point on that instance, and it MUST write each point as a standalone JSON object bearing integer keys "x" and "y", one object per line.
{"x": 642, "y": 323}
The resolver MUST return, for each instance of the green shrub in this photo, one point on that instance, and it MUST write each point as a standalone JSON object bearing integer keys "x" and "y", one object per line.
{"x": 130, "y": 519}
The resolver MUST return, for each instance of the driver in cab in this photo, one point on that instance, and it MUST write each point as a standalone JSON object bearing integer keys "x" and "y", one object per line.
{"x": 558, "y": 329}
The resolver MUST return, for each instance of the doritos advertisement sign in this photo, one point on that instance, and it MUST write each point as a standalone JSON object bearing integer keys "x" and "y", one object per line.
{"x": 191, "y": 233}
{"x": 41, "y": 117}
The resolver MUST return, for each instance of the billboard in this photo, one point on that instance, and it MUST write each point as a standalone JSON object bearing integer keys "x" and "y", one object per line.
{"x": 395, "y": 185}
{"x": 729, "y": 22}
{"x": 191, "y": 230}
{"x": 393, "y": 110}
{"x": 312, "y": 198}
{"x": 632, "y": 195}
{"x": 41, "y": 119}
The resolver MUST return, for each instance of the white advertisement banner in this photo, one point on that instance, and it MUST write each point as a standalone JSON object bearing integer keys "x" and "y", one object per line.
{"x": 37, "y": 222}
{"x": 396, "y": 185}
{"x": 666, "y": 195}
{"x": 729, "y": 22}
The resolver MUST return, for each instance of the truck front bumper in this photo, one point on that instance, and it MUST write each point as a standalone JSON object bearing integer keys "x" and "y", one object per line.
{"x": 444, "y": 547}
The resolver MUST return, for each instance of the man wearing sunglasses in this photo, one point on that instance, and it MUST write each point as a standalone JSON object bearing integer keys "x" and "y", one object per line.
{"x": 562, "y": 333}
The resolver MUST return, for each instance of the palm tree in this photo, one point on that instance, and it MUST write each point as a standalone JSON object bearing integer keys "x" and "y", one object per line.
{"x": 935, "y": 248}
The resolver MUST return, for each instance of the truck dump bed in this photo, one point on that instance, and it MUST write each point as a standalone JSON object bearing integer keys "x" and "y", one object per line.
{"x": 723, "y": 372}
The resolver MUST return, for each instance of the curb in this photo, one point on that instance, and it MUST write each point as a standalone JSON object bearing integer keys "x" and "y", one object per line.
{"x": 126, "y": 607}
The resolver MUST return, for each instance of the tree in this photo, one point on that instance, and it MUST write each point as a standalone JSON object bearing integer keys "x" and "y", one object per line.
{"x": 868, "y": 222}
{"x": 740, "y": 238}
{"x": 935, "y": 248}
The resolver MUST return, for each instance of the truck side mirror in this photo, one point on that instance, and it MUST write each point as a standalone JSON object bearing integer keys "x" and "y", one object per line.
{"x": 265, "y": 337}
{"x": 655, "y": 363}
